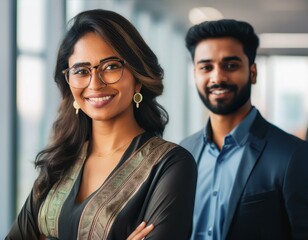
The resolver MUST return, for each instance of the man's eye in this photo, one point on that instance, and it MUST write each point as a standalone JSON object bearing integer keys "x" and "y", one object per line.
{"x": 231, "y": 66}
{"x": 206, "y": 68}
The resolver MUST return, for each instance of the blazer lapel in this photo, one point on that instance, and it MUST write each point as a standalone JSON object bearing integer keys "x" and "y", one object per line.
{"x": 249, "y": 159}
{"x": 197, "y": 147}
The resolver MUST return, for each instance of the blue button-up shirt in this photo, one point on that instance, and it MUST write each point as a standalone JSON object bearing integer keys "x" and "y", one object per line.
{"x": 216, "y": 174}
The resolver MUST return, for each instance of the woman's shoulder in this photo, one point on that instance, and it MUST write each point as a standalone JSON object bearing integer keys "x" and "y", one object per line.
{"x": 177, "y": 153}
{"x": 166, "y": 150}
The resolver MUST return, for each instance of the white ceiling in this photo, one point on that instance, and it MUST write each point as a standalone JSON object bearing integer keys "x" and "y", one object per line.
{"x": 286, "y": 16}
{"x": 267, "y": 16}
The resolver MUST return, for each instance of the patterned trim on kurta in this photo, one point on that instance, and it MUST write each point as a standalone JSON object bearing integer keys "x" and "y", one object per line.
{"x": 51, "y": 208}
{"x": 100, "y": 212}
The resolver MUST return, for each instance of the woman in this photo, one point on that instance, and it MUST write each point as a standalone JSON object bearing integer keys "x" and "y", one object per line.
{"x": 106, "y": 168}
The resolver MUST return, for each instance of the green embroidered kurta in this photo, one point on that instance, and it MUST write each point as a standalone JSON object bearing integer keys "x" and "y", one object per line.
{"x": 155, "y": 183}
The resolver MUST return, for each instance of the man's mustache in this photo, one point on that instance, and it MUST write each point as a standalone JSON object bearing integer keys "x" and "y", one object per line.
{"x": 230, "y": 87}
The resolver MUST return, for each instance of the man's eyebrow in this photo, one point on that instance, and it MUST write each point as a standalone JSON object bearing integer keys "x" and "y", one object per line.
{"x": 231, "y": 58}
{"x": 204, "y": 61}
{"x": 225, "y": 59}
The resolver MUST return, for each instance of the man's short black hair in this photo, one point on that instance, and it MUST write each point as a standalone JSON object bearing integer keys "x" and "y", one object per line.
{"x": 239, "y": 30}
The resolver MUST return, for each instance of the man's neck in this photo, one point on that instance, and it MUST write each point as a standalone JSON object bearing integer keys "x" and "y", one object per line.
{"x": 222, "y": 125}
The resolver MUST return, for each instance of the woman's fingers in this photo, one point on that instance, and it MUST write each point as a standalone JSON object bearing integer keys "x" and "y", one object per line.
{"x": 141, "y": 232}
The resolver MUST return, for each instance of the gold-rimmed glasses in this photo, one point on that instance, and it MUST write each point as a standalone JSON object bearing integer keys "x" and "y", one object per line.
{"x": 109, "y": 71}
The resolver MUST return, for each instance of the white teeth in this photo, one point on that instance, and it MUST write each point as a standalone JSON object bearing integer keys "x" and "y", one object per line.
{"x": 218, "y": 92}
{"x": 100, "y": 99}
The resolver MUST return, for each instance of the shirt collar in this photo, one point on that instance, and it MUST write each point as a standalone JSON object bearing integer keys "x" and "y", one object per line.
{"x": 239, "y": 133}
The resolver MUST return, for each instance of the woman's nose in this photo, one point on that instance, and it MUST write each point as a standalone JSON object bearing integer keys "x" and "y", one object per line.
{"x": 96, "y": 83}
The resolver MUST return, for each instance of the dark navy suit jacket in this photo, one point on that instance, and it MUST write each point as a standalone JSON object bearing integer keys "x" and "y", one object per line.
{"x": 269, "y": 199}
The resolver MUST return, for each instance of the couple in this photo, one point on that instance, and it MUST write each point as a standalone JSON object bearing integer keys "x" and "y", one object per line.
{"x": 107, "y": 169}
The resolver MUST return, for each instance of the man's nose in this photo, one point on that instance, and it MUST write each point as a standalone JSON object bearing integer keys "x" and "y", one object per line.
{"x": 217, "y": 76}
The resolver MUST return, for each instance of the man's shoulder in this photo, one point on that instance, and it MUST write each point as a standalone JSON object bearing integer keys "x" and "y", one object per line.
{"x": 192, "y": 139}
{"x": 275, "y": 134}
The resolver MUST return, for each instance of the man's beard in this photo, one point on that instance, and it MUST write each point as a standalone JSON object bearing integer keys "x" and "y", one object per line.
{"x": 223, "y": 108}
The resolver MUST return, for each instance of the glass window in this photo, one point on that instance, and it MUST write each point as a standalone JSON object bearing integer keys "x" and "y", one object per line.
{"x": 30, "y": 89}
{"x": 281, "y": 92}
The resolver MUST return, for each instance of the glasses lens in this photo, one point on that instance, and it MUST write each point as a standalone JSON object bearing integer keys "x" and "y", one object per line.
{"x": 79, "y": 77}
{"x": 111, "y": 71}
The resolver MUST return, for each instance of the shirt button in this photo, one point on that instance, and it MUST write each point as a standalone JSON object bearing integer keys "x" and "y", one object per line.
{"x": 215, "y": 193}
{"x": 209, "y": 231}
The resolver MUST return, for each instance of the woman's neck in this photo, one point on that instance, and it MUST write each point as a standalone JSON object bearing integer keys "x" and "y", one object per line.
{"x": 108, "y": 138}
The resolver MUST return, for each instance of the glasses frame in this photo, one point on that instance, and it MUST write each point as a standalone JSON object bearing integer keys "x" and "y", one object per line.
{"x": 102, "y": 62}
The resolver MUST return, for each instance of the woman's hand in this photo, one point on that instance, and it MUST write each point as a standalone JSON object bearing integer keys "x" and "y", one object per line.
{"x": 141, "y": 232}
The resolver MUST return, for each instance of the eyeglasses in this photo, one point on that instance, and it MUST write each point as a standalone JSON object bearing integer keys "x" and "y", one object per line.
{"x": 109, "y": 71}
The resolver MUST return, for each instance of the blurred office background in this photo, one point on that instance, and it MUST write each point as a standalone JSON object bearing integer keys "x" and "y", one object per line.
{"x": 32, "y": 29}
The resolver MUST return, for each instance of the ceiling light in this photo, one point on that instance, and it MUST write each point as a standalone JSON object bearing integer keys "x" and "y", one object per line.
{"x": 201, "y": 14}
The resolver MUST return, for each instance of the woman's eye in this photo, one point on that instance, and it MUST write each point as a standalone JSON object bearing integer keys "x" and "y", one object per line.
{"x": 80, "y": 71}
{"x": 112, "y": 66}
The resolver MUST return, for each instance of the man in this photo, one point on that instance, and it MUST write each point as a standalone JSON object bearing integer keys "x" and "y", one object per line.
{"x": 252, "y": 176}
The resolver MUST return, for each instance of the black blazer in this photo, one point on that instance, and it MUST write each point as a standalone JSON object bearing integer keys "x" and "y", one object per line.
{"x": 269, "y": 199}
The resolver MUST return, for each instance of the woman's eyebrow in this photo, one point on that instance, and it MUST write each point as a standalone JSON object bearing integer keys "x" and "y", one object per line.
{"x": 80, "y": 64}
{"x": 108, "y": 58}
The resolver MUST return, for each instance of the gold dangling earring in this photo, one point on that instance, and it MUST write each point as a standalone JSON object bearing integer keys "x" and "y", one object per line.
{"x": 76, "y": 106}
{"x": 137, "y": 99}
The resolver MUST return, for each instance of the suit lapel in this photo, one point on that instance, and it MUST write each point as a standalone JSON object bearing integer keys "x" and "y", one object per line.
{"x": 197, "y": 147}
{"x": 249, "y": 159}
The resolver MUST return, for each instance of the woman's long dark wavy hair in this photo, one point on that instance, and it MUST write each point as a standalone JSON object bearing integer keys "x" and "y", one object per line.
{"x": 69, "y": 131}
